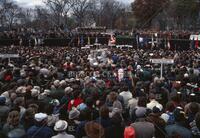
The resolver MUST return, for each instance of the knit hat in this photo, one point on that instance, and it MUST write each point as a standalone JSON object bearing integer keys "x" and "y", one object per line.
{"x": 35, "y": 93}
{"x": 68, "y": 90}
{"x": 47, "y": 92}
{"x": 140, "y": 112}
{"x": 74, "y": 113}
{"x": 37, "y": 88}
{"x": 55, "y": 102}
{"x": 165, "y": 117}
{"x": 21, "y": 89}
{"x": 2, "y": 100}
{"x": 63, "y": 83}
{"x": 56, "y": 83}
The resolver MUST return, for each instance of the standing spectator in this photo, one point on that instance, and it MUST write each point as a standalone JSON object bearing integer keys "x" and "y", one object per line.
{"x": 117, "y": 127}
{"x": 143, "y": 129}
{"x": 178, "y": 129}
{"x": 127, "y": 95}
{"x": 158, "y": 122}
{"x": 77, "y": 100}
{"x": 12, "y": 122}
{"x": 73, "y": 121}
{"x": 40, "y": 129}
{"x": 195, "y": 126}
{"x": 4, "y": 110}
{"x": 104, "y": 118}
{"x": 61, "y": 127}
{"x": 153, "y": 102}
{"x": 94, "y": 130}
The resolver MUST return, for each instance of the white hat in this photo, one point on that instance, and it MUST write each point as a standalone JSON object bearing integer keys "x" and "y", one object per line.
{"x": 35, "y": 93}
{"x": 67, "y": 80}
{"x": 186, "y": 75}
{"x": 37, "y": 88}
{"x": 44, "y": 71}
{"x": 40, "y": 116}
{"x": 47, "y": 91}
{"x": 55, "y": 102}
{"x": 68, "y": 90}
{"x": 21, "y": 89}
{"x": 159, "y": 106}
{"x": 72, "y": 80}
{"x": 63, "y": 83}
{"x": 95, "y": 64}
{"x": 192, "y": 94}
{"x": 5, "y": 94}
{"x": 56, "y": 83}
{"x": 138, "y": 67}
{"x": 42, "y": 96}
{"x": 61, "y": 125}
{"x": 74, "y": 113}
{"x": 23, "y": 73}
{"x": 165, "y": 117}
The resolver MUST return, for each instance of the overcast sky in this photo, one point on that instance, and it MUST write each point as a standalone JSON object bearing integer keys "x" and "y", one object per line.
{"x": 32, "y": 3}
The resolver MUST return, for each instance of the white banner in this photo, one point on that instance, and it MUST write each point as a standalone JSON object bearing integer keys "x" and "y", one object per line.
{"x": 9, "y": 55}
{"x": 162, "y": 61}
{"x": 195, "y": 37}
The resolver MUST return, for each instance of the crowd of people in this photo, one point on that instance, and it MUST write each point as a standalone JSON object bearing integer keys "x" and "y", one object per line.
{"x": 64, "y": 92}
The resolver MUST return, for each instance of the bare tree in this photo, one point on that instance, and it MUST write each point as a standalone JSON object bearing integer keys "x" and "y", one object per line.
{"x": 59, "y": 9}
{"x": 79, "y": 10}
{"x": 42, "y": 18}
{"x": 9, "y": 13}
{"x": 106, "y": 12}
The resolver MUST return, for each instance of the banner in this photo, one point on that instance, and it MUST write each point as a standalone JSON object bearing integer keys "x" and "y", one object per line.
{"x": 195, "y": 37}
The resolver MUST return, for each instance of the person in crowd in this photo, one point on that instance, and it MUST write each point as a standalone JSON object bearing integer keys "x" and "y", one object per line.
{"x": 143, "y": 128}
{"x": 195, "y": 126}
{"x": 47, "y": 84}
{"x": 61, "y": 127}
{"x": 179, "y": 129}
{"x": 28, "y": 118}
{"x": 4, "y": 110}
{"x": 127, "y": 95}
{"x": 73, "y": 121}
{"x": 104, "y": 118}
{"x": 153, "y": 102}
{"x": 141, "y": 107}
{"x": 85, "y": 117}
{"x": 117, "y": 127}
{"x": 94, "y": 130}
{"x": 159, "y": 123}
{"x": 40, "y": 128}
{"x": 13, "y": 122}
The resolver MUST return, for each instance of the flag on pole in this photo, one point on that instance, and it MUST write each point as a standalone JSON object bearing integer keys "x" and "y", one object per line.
{"x": 79, "y": 41}
{"x": 112, "y": 40}
{"x": 152, "y": 42}
{"x": 88, "y": 40}
{"x": 168, "y": 45}
{"x": 192, "y": 44}
{"x": 82, "y": 41}
{"x": 96, "y": 40}
{"x": 197, "y": 43}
